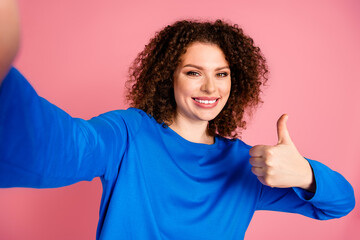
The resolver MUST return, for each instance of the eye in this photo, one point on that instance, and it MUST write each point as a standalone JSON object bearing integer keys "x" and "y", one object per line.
{"x": 222, "y": 74}
{"x": 192, "y": 73}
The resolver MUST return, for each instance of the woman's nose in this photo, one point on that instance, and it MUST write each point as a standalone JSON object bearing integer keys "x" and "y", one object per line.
{"x": 208, "y": 85}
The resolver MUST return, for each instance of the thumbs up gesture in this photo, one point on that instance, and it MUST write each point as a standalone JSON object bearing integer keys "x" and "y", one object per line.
{"x": 281, "y": 165}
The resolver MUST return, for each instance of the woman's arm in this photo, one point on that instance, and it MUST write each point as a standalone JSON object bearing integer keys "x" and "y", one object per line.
{"x": 9, "y": 35}
{"x": 292, "y": 183}
{"x": 41, "y": 146}
{"x": 333, "y": 198}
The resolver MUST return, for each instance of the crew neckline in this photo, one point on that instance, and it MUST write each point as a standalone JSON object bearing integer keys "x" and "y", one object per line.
{"x": 188, "y": 143}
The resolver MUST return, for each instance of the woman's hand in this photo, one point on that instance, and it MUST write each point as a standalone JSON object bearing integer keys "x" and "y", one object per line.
{"x": 9, "y": 35}
{"x": 281, "y": 165}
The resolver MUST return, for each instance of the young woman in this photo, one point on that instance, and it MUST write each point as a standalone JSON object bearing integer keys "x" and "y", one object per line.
{"x": 171, "y": 166}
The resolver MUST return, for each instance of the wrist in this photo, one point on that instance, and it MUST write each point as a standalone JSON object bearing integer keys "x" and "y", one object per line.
{"x": 309, "y": 182}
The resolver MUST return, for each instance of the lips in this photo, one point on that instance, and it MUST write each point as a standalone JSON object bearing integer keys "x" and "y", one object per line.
{"x": 207, "y": 102}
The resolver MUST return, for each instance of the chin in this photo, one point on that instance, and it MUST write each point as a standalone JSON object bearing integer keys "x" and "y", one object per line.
{"x": 208, "y": 117}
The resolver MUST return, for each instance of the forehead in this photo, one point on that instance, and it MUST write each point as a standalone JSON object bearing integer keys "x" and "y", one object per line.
{"x": 204, "y": 54}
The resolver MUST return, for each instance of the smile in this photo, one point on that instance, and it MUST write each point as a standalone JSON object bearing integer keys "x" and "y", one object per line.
{"x": 206, "y": 102}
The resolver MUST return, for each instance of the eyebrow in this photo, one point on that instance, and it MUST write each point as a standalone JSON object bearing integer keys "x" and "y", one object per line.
{"x": 201, "y": 68}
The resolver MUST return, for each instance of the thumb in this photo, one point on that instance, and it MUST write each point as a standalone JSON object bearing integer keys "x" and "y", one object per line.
{"x": 282, "y": 131}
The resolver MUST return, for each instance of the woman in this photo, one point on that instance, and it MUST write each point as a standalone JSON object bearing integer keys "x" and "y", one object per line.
{"x": 171, "y": 167}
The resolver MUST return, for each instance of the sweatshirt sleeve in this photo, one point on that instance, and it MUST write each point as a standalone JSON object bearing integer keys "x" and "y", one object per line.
{"x": 334, "y": 196}
{"x": 41, "y": 146}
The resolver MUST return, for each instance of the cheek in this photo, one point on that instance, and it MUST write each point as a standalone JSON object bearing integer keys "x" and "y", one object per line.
{"x": 182, "y": 88}
{"x": 180, "y": 92}
{"x": 225, "y": 92}
{"x": 226, "y": 88}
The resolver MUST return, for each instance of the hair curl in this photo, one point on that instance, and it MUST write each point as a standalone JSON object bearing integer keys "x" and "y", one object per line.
{"x": 150, "y": 83}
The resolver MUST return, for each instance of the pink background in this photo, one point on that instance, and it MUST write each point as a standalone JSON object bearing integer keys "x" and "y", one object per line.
{"x": 76, "y": 54}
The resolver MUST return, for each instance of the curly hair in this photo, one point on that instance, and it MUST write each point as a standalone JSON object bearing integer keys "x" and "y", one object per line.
{"x": 151, "y": 88}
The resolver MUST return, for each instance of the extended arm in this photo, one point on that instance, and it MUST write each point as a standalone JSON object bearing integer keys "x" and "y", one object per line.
{"x": 42, "y": 146}
{"x": 9, "y": 35}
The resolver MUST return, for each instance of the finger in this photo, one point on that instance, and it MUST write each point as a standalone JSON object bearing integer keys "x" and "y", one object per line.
{"x": 257, "y": 151}
{"x": 282, "y": 131}
{"x": 258, "y": 171}
{"x": 257, "y": 162}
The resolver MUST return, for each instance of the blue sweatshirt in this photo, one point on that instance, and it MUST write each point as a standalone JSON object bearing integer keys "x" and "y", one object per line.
{"x": 156, "y": 184}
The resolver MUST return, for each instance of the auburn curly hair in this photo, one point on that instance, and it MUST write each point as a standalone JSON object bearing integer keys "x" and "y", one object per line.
{"x": 150, "y": 84}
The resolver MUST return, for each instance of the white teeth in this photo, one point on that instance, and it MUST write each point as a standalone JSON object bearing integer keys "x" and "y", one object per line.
{"x": 205, "y": 101}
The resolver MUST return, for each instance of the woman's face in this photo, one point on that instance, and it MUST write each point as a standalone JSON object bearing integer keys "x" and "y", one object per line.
{"x": 201, "y": 82}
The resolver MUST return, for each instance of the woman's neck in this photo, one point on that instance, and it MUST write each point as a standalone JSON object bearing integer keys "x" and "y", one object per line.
{"x": 193, "y": 131}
